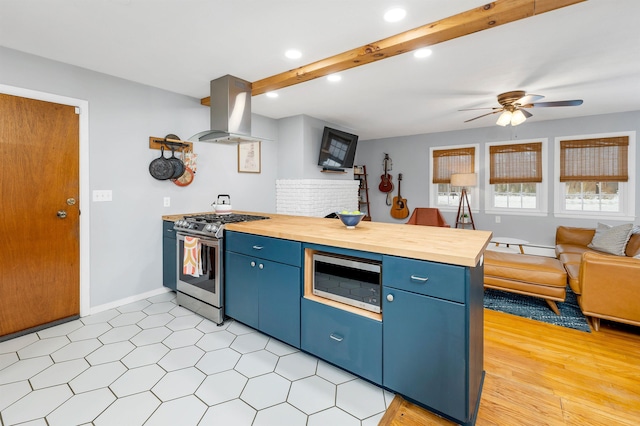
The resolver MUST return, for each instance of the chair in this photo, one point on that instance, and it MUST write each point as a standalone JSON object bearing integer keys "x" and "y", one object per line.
{"x": 428, "y": 217}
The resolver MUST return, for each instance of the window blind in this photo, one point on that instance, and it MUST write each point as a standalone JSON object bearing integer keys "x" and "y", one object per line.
{"x": 596, "y": 160}
{"x": 449, "y": 161}
{"x": 516, "y": 163}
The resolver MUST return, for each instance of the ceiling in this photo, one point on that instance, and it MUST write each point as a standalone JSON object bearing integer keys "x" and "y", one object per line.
{"x": 588, "y": 51}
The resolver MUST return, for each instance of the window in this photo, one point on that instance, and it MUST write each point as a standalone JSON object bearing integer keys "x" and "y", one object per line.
{"x": 515, "y": 177}
{"x": 445, "y": 162}
{"x": 596, "y": 176}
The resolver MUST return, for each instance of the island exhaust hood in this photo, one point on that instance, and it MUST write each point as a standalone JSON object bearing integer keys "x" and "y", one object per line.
{"x": 230, "y": 111}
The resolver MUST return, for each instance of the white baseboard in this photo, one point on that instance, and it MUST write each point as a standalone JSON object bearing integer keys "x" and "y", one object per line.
{"x": 127, "y": 300}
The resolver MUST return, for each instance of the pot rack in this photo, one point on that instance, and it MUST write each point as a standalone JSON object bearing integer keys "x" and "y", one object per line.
{"x": 168, "y": 143}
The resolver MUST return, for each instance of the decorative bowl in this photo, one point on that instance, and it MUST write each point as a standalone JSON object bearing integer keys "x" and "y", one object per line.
{"x": 350, "y": 220}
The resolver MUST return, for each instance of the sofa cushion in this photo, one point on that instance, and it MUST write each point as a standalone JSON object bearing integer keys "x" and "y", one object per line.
{"x": 572, "y": 235}
{"x": 633, "y": 246}
{"x": 573, "y": 277}
{"x": 567, "y": 258}
{"x": 611, "y": 239}
{"x": 570, "y": 248}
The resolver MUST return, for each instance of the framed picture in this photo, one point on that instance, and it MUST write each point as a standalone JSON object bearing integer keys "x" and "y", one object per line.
{"x": 249, "y": 157}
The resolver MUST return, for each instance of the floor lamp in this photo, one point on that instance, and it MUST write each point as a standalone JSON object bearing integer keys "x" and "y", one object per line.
{"x": 464, "y": 180}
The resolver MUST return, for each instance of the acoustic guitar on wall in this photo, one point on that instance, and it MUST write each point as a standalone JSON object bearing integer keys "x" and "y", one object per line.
{"x": 399, "y": 208}
{"x": 385, "y": 184}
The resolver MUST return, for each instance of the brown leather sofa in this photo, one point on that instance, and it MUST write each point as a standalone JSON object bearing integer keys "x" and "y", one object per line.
{"x": 607, "y": 286}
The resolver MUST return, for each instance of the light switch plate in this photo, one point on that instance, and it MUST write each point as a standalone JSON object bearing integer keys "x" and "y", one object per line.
{"x": 102, "y": 195}
{"x": 167, "y": 201}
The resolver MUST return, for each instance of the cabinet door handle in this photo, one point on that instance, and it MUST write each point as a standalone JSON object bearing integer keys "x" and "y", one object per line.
{"x": 336, "y": 337}
{"x": 421, "y": 279}
{"x": 390, "y": 297}
{"x": 258, "y": 247}
{"x": 261, "y": 266}
{"x": 253, "y": 264}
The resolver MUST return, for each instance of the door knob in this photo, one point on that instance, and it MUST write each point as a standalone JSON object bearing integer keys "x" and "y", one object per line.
{"x": 61, "y": 214}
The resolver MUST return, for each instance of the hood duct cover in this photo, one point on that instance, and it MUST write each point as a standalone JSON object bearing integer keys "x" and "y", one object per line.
{"x": 230, "y": 109}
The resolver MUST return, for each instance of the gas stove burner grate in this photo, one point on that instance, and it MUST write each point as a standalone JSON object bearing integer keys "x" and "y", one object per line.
{"x": 224, "y": 218}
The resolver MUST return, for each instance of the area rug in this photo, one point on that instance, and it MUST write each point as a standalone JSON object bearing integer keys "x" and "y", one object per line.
{"x": 537, "y": 309}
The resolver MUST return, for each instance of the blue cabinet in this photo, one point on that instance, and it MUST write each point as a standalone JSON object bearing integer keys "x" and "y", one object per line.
{"x": 347, "y": 340}
{"x": 169, "y": 256}
{"x": 263, "y": 284}
{"x": 428, "y": 346}
{"x": 432, "y": 334}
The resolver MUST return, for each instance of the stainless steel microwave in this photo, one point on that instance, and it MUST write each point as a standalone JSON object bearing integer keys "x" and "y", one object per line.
{"x": 353, "y": 281}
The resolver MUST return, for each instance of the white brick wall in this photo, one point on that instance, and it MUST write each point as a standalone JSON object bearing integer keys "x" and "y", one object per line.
{"x": 315, "y": 197}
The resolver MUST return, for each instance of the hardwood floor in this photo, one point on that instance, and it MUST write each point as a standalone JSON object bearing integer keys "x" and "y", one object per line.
{"x": 540, "y": 374}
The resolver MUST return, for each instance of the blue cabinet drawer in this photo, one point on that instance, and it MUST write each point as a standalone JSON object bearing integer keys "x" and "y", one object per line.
{"x": 167, "y": 229}
{"x": 282, "y": 251}
{"x": 347, "y": 340}
{"x": 423, "y": 277}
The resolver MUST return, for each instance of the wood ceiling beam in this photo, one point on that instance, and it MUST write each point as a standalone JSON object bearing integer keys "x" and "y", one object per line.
{"x": 490, "y": 15}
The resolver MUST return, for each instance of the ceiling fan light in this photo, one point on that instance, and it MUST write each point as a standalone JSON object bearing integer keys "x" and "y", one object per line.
{"x": 517, "y": 118}
{"x": 504, "y": 119}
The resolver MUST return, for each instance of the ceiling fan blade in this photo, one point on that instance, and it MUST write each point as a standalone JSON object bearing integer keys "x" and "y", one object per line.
{"x": 529, "y": 99}
{"x": 475, "y": 109}
{"x": 484, "y": 115}
{"x": 574, "y": 102}
{"x": 526, "y": 113}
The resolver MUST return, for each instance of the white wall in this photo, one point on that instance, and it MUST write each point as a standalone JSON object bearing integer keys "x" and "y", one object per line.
{"x": 299, "y": 139}
{"x": 125, "y": 234}
{"x": 410, "y": 157}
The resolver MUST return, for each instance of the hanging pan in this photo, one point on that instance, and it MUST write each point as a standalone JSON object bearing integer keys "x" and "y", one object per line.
{"x": 178, "y": 165}
{"x": 161, "y": 168}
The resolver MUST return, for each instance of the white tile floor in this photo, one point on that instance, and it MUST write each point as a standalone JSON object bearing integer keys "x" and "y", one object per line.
{"x": 155, "y": 363}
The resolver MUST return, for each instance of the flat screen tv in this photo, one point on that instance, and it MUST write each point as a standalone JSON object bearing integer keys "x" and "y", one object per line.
{"x": 337, "y": 149}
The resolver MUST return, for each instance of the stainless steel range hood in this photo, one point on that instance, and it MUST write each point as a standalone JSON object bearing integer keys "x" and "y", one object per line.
{"x": 230, "y": 111}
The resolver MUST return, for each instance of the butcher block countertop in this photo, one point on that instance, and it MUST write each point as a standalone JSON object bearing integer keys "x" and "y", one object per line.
{"x": 444, "y": 245}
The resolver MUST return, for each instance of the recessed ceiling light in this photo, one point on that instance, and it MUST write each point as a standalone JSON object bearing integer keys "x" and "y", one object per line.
{"x": 293, "y": 54}
{"x": 422, "y": 53}
{"x": 395, "y": 15}
{"x": 334, "y": 77}
{"x": 271, "y": 95}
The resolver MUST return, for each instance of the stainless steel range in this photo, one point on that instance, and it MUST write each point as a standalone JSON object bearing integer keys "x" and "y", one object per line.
{"x": 201, "y": 271}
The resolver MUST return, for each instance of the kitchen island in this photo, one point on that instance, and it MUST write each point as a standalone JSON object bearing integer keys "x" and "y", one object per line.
{"x": 426, "y": 344}
{"x": 444, "y": 245}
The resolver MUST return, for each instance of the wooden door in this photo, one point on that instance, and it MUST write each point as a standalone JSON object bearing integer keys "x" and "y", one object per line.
{"x": 39, "y": 249}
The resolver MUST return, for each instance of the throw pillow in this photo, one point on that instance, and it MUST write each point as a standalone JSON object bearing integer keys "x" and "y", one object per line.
{"x": 611, "y": 239}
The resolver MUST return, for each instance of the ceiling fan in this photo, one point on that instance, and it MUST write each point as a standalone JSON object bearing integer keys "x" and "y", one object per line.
{"x": 514, "y": 104}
